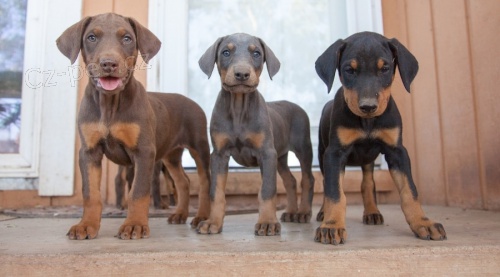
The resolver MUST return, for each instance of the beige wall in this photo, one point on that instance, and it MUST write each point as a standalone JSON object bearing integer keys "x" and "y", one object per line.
{"x": 450, "y": 119}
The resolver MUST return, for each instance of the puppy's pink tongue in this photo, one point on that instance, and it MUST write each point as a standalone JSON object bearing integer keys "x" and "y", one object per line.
{"x": 110, "y": 83}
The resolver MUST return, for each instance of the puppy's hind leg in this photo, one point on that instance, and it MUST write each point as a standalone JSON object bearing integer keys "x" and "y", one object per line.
{"x": 155, "y": 187}
{"x": 300, "y": 145}
{"x": 290, "y": 215}
{"x": 181, "y": 181}
{"x": 202, "y": 157}
{"x": 306, "y": 184}
{"x": 371, "y": 214}
{"x": 120, "y": 183}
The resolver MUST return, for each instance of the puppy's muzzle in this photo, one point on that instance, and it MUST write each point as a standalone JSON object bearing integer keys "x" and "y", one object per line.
{"x": 368, "y": 105}
{"x": 108, "y": 65}
{"x": 241, "y": 73}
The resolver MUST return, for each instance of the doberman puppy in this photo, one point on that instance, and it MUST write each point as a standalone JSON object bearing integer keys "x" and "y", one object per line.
{"x": 125, "y": 177}
{"x": 117, "y": 118}
{"x": 361, "y": 122}
{"x": 255, "y": 133}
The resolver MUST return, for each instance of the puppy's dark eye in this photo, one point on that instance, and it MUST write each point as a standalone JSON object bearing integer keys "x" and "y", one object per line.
{"x": 92, "y": 38}
{"x": 349, "y": 70}
{"x": 127, "y": 39}
{"x": 385, "y": 68}
{"x": 256, "y": 54}
{"x": 226, "y": 53}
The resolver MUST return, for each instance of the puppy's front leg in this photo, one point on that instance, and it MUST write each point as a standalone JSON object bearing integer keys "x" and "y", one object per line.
{"x": 91, "y": 169}
{"x": 268, "y": 224}
{"x": 332, "y": 229}
{"x": 219, "y": 161}
{"x": 136, "y": 224}
{"x": 400, "y": 168}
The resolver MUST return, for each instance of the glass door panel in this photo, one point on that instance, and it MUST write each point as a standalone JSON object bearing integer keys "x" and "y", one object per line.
{"x": 12, "y": 37}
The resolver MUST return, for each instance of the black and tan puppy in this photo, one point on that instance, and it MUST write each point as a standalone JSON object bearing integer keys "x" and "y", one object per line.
{"x": 255, "y": 133}
{"x": 117, "y": 118}
{"x": 359, "y": 124}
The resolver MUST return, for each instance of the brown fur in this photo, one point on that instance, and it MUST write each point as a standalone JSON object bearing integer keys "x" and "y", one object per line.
{"x": 268, "y": 224}
{"x": 380, "y": 63}
{"x": 93, "y": 133}
{"x": 383, "y": 100}
{"x": 332, "y": 229}
{"x": 130, "y": 127}
{"x": 354, "y": 64}
{"x": 256, "y": 139}
{"x": 127, "y": 133}
{"x": 390, "y": 136}
{"x": 348, "y": 136}
{"x": 413, "y": 212}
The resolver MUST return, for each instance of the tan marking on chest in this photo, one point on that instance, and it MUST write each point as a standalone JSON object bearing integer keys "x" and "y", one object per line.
{"x": 127, "y": 133}
{"x": 92, "y": 133}
{"x": 220, "y": 140}
{"x": 347, "y": 136}
{"x": 388, "y": 136}
{"x": 256, "y": 139}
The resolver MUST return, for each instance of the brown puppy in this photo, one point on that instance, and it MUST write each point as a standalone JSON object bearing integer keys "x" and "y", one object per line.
{"x": 359, "y": 124}
{"x": 255, "y": 133}
{"x": 117, "y": 118}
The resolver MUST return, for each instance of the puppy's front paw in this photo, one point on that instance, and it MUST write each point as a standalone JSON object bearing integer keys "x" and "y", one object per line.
{"x": 209, "y": 227}
{"x": 373, "y": 219}
{"x": 333, "y": 236}
{"x": 197, "y": 220}
{"x": 427, "y": 229}
{"x": 177, "y": 218}
{"x": 287, "y": 217}
{"x": 83, "y": 230}
{"x": 268, "y": 229}
{"x": 296, "y": 217}
{"x": 133, "y": 231}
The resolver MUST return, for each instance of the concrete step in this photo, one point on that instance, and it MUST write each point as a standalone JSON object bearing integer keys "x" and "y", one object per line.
{"x": 38, "y": 246}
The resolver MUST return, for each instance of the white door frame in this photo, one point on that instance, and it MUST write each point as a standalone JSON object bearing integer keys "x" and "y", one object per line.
{"x": 46, "y": 160}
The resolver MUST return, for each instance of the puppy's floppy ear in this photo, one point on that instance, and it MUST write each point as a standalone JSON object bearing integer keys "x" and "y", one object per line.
{"x": 328, "y": 62}
{"x": 406, "y": 62}
{"x": 273, "y": 64}
{"x": 147, "y": 42}
{"x": 70, "y": 42}
{"x": 207, "y": 60}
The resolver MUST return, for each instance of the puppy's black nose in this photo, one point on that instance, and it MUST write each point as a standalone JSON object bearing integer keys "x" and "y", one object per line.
{"x": 241, "y": 74}
{"x": 368, "y": 108}
{"x": 108, "y": 65}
